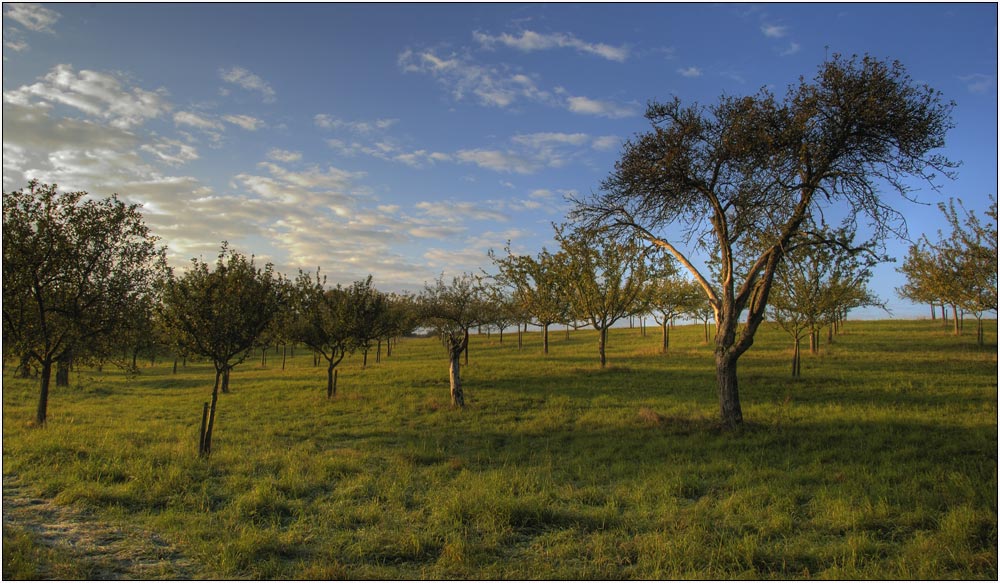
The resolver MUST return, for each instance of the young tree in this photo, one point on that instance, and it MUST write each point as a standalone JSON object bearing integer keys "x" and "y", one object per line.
{"x": 220, "y": 314}
{"x": 451, "y": 310}
{"x": 668, "y": 295}
{"x": 752, "y": 169}
{"x": 323, "y": 320}
{"x": 538, "y": 288}
{"x": 604, "y": 279}
{"x": 74, "y": 270}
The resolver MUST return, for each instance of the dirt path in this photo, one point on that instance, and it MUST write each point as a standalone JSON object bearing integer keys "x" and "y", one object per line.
{"x": 114, "y": 552}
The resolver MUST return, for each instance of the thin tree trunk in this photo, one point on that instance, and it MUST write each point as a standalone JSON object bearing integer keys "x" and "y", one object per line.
{"x": 954, "y": 317}
{"x": 520, "y": 337}
{"x": 545, "y": 339}
{"x": 284, "y": 352}
{"x": 378, "y": 352}
{"x": 43, "y": 395}
{"x": 666, "y": 335}
{"x": 933, "y": 312}
{"x": 331, "y": 381}
{"x": 207, "y": 447}
{"x": 602, "y": 341}
{"x": 466, "y": 347}
{"x": 829, "y": 334}
{"x": 62, "y": 371}
{"x": 455, "y": 378}
{"x": 225, "y": 381}
{"x": 364, "y": 358}
{"x": 175, "y": 365}
{"x": 728, "y": 389}
{"x": 796, "y": 360}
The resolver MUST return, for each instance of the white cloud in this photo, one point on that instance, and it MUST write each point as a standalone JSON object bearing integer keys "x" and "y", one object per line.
{"x": 500, "y": 161}
{"x": 494, "y": 86}
{"x": 171, "y": 152}
{"x": 534, "y": 41}
{"x": 978, "y": 82}
{"x": 459, "y": 211}
{"x": 327, "y": 121}
{"x": 247, "y": 122}
{"x": 96, "y": 94}
{"x": 249, "y": 81}
{"x": 14, "y": 45}
{"x": 793, "y": 47}
{"x": 773, "y": 30}
{"x": 588, "y": 106}
{"x": 197, "y": 121}
{"x": 690, "y": 72}
{"x": 280, "y": 155}
{"x": 542, "y": 140}
{"x": 606, "y": 143}
{"x": 31, "y": 16}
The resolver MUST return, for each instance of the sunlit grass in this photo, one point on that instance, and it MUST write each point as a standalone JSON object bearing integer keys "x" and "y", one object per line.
{"x": 879, "y": 463}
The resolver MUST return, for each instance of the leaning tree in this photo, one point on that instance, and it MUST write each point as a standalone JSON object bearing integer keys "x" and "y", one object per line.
{"x": 220, "y": 314}
{"x": 75, "y": 270}
{"x": 451, "y": 310}
{"x": 752, "y": 169}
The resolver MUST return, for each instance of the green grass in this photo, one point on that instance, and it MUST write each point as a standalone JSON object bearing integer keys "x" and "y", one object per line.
{"x": 879, "y": 463}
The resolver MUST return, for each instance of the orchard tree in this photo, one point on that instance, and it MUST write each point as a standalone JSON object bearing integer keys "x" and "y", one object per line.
{"x": 451, "y": 310}
{"x": 816, "y": 283}
{"x": 220, "y": 314}
{"x": 668, "y": 295}
{"x": 752, "y": 169}
{"x": 324, "y": 320}
{"x": 538, "y": 287}
{"x": 604, "y": 279}
{"x": 74, "y": 271}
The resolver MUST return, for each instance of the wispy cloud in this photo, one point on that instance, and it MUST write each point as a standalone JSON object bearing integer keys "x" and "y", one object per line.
{"x": 530, "y": 40}
{"x": 279, "y": 155}
{"x": 588, "y": 106}
{"x": 197, "y": 121}
{"x": 327, "y": 121}
{"x": 793, "y": 47}
{"x": 978, "y": 82}
{"x": 34, "y": 17}
{"x": 247, "y": 122}
{"x": 773, "y": 30}
{"x": 100, "y": 95}
{"x": 690, "y": 72}
{"x": 249, "y": 81}
{"x": 490, "y": 85}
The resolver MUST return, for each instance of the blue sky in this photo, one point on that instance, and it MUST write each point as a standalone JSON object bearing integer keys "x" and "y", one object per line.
{"x": 407, "y": 140}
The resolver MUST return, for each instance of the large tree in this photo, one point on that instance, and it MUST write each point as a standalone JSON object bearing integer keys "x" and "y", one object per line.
{"x": 76, "y": 270}
{"x": 220, "y": 314}
{"x": 742, "y": 176}
{"x": 603, "y": 277}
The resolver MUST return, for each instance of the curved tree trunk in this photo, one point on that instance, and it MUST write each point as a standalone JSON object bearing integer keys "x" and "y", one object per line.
{"x": 331, "y": 380}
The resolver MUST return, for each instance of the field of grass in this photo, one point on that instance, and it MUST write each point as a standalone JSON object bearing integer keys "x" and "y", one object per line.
{"x": 879, "y": 463}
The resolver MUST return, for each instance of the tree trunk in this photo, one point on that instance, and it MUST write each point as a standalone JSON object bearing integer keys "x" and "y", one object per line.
{"x": 933, "y": 312}
{"x": 979, "y": 331}
{"x": 666, "y": 335}
{"x": 466, "y": 342}
{"x": 706, "y": 331}
{"x": 388, "y": 347}
{"x": 207, "y": 447}
{"x": 225, "y": 381}
{"x": 501, "y": 336}
{"x": 944, "y": 316}
{"x": 728, "y": 389}
{"x": 796, "y": 360}
{"x": 602, "y": 341}
{"x": 331, "y": 381}
{"x": 954, "y": 317}
{"x": 43, "y": 395}
{"x": 284, "y": 353}
{"x": 378, "y": 352}
{"x": 520, "y": 337}
{"x": 364, "y": 358}
{"x": 175, "y": 365}
{"x": 24, "y": 367}
{"x": 545, "y": 339}
{"x": 62, "y": 371}
{"x": 454, "y": 376}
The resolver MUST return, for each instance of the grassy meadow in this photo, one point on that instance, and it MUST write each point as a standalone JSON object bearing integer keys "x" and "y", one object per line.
{"x": 879, "y": 463}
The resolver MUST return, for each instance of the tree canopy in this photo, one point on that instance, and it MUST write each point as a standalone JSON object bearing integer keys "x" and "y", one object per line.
{"x": 751, "y": 170}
